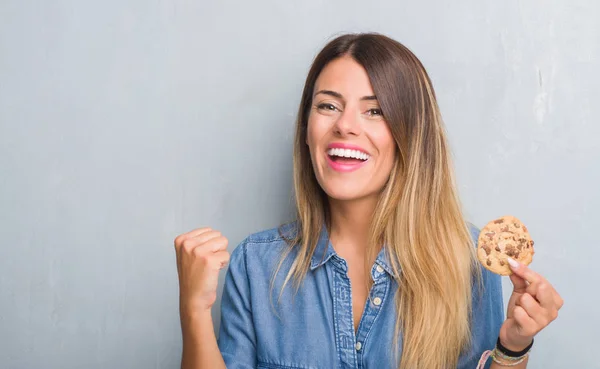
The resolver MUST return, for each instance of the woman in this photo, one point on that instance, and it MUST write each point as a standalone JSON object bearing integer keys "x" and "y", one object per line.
{"x": 379, "y": 269}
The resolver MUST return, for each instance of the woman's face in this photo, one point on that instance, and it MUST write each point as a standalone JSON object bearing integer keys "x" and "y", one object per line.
{"x": 351, "y": 145}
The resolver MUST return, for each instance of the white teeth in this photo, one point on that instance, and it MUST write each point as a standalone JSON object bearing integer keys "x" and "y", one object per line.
{"x": 347, "y": 153}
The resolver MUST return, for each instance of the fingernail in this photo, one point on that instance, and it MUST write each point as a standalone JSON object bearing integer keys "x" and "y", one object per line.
{"x": 513, "y": 263}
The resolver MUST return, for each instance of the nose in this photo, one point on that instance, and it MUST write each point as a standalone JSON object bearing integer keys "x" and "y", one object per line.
{"x": 347, "y": 124}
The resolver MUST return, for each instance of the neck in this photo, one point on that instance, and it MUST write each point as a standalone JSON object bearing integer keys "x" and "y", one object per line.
{"x": 350, "y": 223}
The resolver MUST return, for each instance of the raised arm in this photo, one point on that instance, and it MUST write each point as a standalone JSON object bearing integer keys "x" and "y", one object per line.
{"x": 201, "y": 253}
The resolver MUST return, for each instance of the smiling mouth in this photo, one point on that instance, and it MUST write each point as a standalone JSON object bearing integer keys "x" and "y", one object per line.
{"x": 347, "y": 156}
{"x": 346, "y": 160}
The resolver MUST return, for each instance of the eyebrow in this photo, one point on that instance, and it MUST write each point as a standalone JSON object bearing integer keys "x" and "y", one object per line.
{"x": 339, "y": 95}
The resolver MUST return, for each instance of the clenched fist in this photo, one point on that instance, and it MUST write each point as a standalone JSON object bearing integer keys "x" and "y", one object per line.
{"x": 201, "y": 253}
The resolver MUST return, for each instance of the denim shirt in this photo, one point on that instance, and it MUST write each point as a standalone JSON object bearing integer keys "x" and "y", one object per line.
{"x": 313, "y": 327}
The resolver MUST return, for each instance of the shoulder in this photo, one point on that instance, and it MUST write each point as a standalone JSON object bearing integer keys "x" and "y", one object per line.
{"x": 264, "y": 249}
{"x": 268, "y": 239}
{"x": 272, "y": 235}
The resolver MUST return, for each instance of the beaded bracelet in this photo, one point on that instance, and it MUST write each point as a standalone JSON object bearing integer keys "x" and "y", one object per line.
{"x": 504, "y": 360}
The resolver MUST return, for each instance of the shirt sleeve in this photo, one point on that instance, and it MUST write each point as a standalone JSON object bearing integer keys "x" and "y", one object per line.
{"x": 237, "y": 339}
{"x": 487, "y": 314}
{"x": 491, "y": 313}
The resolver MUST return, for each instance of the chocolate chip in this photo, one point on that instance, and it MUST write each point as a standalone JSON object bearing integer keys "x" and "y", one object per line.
{"x": 520, "y": 247}
{"x": 517, "y": 225}
{"x": 531, "y": 242}
{"x": 489, "y": 262}
{"x": 490, "y": 235}
{"x": 501, "y": 263}
{"x": 516, "y": 255}
{"x": 498, "y": 221}
{"x": 487, "y": 249}
{"x": 498, "y": 248}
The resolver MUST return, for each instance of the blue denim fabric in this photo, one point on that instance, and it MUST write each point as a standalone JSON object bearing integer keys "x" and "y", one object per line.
{"x": 313, "y": 328}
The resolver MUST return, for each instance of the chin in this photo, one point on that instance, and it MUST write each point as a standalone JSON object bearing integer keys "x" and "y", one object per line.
{"x": 344, "y": 193}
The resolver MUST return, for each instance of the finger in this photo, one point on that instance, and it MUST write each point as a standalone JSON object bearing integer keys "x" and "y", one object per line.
{"x": 221, "y": 259}
{"x": 534, "y": 310}
{"x": 200, "y": 240}
{"x": 527, "y": 326}
{"x": 559, "y": 301}
{"x": 217, "y": 244}
{"x": 544, "y": 293}
{"x": 523, "y": 271}
{"x": 214, "y": 261}
{"x": 179, "y": 239}
{"x": 520, "y": 285}
{"x": 203, "y": 238}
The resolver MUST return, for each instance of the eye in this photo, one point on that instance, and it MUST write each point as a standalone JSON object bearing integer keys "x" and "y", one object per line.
{"x": 375, "y": 112}
{"x": 326, "y": 106}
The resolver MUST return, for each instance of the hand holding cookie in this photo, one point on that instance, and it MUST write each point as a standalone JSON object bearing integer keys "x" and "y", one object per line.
{"x": 506, "y": 248}
{"x": 533, "y": 305}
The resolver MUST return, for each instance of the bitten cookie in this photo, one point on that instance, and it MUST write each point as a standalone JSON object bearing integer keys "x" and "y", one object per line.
{"x": 501, "y": 238}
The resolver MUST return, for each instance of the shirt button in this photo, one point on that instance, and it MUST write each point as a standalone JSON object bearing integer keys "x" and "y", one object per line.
{"x": 379, "y": 269}
{"x": 377, "y": 301}
{"x": 358, "y": 346}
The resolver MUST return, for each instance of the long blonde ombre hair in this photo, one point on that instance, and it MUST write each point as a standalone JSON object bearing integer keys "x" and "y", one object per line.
{"x": 418, "y": 216}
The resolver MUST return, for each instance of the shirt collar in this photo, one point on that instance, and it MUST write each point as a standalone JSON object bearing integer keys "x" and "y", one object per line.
{"x": 384, "y": 261}
{"x": 324, "y": 250}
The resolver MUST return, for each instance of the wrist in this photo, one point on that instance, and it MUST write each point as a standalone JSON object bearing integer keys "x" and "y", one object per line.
{"x": 193, "y": 307}
{"x": 194, "y": 323}
{"x": 194, "y": 313}
{"x": 514, "y": 348}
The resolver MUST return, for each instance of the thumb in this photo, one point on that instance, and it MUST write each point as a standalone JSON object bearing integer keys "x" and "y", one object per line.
{"x": 519, "y": 283}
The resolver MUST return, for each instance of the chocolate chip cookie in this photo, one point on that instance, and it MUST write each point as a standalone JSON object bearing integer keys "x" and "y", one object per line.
{"x": 501, "y": 238}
